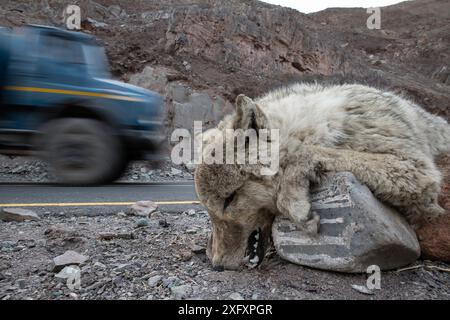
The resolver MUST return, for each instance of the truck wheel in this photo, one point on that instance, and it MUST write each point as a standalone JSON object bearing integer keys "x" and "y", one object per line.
{"x": 81, "y": 151}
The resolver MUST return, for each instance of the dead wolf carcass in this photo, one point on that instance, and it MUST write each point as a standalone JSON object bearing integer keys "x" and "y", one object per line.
{"x": 386, "y": 141}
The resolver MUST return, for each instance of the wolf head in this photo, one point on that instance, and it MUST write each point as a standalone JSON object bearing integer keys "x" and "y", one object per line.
{"x": 240, "y": 201}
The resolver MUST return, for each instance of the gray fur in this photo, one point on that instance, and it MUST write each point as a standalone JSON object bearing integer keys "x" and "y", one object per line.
{"x": 386, "y": 141}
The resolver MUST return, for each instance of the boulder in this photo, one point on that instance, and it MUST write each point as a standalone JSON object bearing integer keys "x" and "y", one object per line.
{"x": 181, "y": 292}
{"x": 178, "y": 92}
{"x": 183, "y": 104}
{"x": 117, "y": 12}
{"x": 73, "y": 276}
{"x": 154, "y": 281}
{"x": 17, "y": 214}
{"x": 356, "y": 231}
{"x": 143, "y": 208}
{"x": 151, "y": 78}
{"x": 68, "y": 258}
{"x": 236, "y": 296}
{"x": 198, "y": 106}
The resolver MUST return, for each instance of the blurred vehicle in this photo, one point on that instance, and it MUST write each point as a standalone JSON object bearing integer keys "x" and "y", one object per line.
{"x": 58, "y": 101}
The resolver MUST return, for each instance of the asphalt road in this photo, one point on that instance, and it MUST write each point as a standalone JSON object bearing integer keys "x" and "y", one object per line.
{"x": 171, "y": 197}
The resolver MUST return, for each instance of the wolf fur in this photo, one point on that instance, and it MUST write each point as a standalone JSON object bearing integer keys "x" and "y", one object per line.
{"x": 386, "y": 141}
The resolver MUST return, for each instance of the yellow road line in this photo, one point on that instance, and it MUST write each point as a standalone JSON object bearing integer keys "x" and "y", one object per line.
{"x": 74, "y": 92}
{"x": 89, "y": 204}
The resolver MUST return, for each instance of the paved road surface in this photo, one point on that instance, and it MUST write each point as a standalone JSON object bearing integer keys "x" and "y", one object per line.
{"x": 171, "y": 196}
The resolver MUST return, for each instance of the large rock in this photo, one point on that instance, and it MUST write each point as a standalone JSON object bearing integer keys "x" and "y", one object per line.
{"x": 17, "y": 214}
{"x": 183, "y": 104}
{"x": 143, "y": 208}
{"x": 198, "y": 106}
{"x": 68, "y": 258}
{"x": 151, "y": 78}
{"x": 356, "y": 231}
{"x": 181, "y": 292}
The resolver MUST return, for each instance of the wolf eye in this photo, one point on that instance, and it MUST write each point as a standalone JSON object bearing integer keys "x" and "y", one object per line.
{"x": 228, "y": 200}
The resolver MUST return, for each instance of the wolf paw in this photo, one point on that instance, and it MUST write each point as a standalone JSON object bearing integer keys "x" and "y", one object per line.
{"x": 311, "y": 225}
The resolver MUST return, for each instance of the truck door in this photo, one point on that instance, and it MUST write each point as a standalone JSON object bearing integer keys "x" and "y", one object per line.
{"x": 54, "y": 64}
{"x": 61, "y": 62}
{"x": 17, "y": 73}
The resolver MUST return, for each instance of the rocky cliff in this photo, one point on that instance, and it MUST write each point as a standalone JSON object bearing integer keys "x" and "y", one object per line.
{"x": 218, "y": 49}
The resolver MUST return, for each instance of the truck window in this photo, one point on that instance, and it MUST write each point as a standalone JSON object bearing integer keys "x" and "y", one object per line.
{"x": 60, "y": 49}
{"x": 96, "y": 61}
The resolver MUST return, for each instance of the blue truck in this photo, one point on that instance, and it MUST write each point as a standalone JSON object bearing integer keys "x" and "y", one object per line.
{"x": 58, "y": 101}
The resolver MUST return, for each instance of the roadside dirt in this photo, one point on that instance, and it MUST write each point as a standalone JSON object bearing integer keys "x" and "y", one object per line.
{"x": 30, "y": 170}
{"x": 163, "y": 249}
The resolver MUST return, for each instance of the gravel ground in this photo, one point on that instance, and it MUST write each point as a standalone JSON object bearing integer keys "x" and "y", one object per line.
{"x": 165, "y": 259}
{"x": 27, "y": 169}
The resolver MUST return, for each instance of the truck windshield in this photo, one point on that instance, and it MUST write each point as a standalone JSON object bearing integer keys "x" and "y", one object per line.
{"x": 96, "y": 61}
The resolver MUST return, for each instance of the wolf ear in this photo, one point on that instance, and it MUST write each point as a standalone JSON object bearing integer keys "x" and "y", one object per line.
{"x": 249, "y": 115}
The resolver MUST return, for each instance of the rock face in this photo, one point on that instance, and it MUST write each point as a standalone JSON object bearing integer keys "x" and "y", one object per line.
{"x": 183, "y": 104}
{"x": 17, "y": 214}
{"x": 356, "y": 231}
{"x": 231, "y": 47}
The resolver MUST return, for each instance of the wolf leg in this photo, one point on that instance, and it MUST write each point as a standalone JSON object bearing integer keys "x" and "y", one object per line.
{"x": 293, "y": 200}
{"x": 411, "y": 185}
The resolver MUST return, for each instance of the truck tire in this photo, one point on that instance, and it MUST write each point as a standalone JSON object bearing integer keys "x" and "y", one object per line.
{"x": 81, "y": 151}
